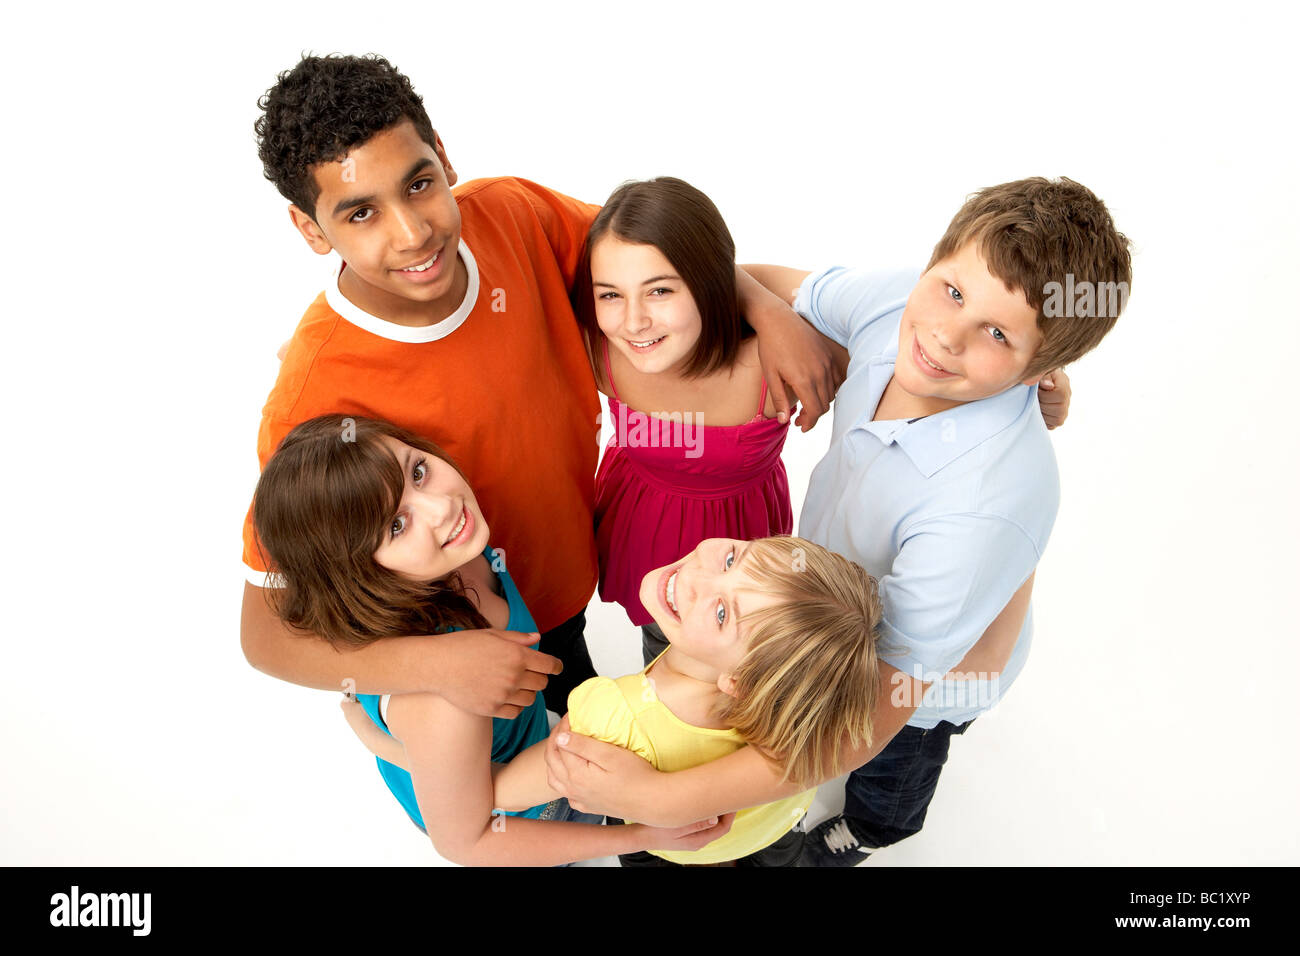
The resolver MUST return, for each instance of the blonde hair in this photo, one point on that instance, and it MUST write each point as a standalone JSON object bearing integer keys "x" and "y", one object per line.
{"x": 808, "y": 681}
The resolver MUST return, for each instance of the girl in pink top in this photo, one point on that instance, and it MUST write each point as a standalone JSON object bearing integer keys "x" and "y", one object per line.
{"x": 696, "y": 450}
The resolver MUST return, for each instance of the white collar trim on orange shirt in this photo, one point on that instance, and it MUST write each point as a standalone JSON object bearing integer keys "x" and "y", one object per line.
{"x": 405, "y": 333}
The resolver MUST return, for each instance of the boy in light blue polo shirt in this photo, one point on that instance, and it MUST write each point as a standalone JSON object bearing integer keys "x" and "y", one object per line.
{"x": 940, "y": 479}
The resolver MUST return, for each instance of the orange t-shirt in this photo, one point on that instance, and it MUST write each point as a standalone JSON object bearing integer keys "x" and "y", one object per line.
{"x": 503, "y": 385}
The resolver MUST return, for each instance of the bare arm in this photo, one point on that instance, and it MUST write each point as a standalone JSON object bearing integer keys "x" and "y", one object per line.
{"x": 601, "y": 778}
{"x": 493, "y": 673}
{"x": 452, "y": 777}
{"x": 386, "y": 748}
{"x": 794, "y": 357}
{"x": 992, "y": 651}
{"x": 605, "y": 779}
{"x": 517, "y": 785}
{"x": 521, "y": 783}
{"x": 781, "y": 281}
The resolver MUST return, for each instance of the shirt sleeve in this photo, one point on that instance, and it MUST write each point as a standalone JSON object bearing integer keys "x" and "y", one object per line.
{"x": 256, "y": 569}
{"x": 849, "y": 305}
{"x": 953, "y": 575}
{"x": 566, "y": 222}
{"x": 597, "y": 708}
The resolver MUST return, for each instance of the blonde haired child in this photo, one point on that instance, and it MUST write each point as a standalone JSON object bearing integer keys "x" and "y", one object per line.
{"x": 772, "y": 644}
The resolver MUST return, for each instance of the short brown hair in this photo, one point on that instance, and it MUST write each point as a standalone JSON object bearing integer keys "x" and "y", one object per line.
{"x": 808, "y": 681}
{"x": 1036, "y": 232}
{"x": 683, "y": 224}
{"x": 320, "y": 510}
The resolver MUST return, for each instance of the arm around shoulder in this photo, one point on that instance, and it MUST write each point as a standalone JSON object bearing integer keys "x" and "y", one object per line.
{"x": 602, "y": 778}
{"x": 449, "y": 748}
{"x": 489, "y": 672}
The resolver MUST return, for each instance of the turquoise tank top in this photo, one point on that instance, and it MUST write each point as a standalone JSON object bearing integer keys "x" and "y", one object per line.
{"x": 509, "y": 737}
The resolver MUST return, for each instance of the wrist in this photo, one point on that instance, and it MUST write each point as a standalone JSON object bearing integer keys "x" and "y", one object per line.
{"x": 640, "y": 837}
{"x": 759, "y": 305}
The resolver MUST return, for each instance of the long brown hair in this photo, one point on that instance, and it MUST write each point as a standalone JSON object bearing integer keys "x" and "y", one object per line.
{"x": 321, "y": 509}
{"x": 683, "y": 224}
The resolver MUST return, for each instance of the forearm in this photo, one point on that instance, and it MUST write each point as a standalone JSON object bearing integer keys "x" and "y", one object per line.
{"x": 780, "y": 281}
{"x": 518, "y": 841}
{"x": 521, "y": 783}
{"x": 991, "y": 652}
{"x": 392, "y": 665}
{"x": 389, "y": 666}
{"x": 746, "y": 778}
{"x": 739, "y": 780}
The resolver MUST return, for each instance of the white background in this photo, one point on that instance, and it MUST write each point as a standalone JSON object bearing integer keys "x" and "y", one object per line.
{"x": 151, "y": 273}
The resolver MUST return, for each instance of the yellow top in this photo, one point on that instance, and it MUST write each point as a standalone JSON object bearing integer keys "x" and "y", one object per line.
{"x": 627, "y": 712}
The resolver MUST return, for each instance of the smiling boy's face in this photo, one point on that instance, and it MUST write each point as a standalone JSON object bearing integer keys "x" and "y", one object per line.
{"x": 387, "y": 209}
{"x": 964, "y": 335}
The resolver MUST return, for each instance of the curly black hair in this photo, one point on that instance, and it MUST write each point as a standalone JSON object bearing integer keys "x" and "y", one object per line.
{"x": 323, "y": 107}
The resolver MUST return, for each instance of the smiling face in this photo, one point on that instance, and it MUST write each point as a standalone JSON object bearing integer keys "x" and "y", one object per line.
{"x": 437, "y": 526}
{"x": 643, "y": 306}
{"x": 964, "y": 336}
{"x": 700, "y": 601}
{"x": 387, "y": 209}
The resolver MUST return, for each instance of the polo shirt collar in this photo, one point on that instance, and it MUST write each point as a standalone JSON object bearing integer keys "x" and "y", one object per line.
{"x": 938, "y": 440}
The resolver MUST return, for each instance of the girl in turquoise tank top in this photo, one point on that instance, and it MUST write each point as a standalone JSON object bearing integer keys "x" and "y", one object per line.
{"x": 373, "y": 532}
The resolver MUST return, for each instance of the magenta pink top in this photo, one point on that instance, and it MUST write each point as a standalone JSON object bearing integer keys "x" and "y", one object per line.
{"x": 662, "y": 490}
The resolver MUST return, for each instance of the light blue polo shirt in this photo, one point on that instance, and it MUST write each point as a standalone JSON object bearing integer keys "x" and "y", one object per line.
{"x": 950, "y": 513}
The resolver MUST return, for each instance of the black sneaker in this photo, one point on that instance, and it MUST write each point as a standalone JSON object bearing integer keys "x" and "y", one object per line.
{"x": 835, "y": 842}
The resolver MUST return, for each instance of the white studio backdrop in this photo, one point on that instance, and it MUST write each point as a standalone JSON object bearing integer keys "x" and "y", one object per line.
{"x": 152, "y": 273}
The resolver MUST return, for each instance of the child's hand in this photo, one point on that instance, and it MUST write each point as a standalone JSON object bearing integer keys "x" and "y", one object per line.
{"x": 1054, "y": 397}
{"x": 693, "y": 836}
{"x": 796, "y": 359}
{"x": 596, "y": 777}
{"x": 375, "y": 740}
{"x": 793, "y": 354}
{"x": 491, "y": 673}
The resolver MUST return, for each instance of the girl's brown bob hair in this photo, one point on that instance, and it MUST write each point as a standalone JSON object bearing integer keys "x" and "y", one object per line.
{"x": 322, "y": 507}
{"x": 683, "y": 224}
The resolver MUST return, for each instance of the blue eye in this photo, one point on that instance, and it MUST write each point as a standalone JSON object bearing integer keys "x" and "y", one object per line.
{"x": 722, "y": 614}
{"x": 955, "y": 295}
{"x": 731, "y": 559}
{"x": 998, "y": 335}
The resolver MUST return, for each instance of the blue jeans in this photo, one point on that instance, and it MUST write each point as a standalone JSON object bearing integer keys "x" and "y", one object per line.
{"x": 560, "y": 810}
{"x": 887, "y": 798}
